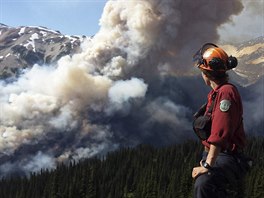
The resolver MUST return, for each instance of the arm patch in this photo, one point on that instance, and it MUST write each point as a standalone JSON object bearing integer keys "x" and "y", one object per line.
{"x": 225, "y": 105}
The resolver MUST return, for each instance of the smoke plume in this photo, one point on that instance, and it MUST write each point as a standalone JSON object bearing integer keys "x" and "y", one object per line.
{"x": 118, "y": 91}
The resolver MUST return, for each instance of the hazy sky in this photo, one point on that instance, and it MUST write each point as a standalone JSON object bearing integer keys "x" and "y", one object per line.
{"x": 81, "y": 17}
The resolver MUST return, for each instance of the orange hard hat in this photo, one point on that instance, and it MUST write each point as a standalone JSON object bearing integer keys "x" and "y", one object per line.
{"x": 212, "y": 58}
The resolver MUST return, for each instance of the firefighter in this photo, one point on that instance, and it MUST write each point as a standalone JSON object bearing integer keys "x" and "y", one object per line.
{"x": 222, "y": 166}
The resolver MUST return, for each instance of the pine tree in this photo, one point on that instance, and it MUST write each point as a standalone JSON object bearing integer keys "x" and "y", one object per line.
{"x": 91, "y": 185}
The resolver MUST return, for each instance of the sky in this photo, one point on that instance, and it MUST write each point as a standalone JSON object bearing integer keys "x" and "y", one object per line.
{"x": 81, "y": 17}
{"x": 71, "y": 17}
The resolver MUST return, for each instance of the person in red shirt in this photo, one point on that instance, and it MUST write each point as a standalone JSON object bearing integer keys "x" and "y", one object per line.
{"x": 224, "y": 140}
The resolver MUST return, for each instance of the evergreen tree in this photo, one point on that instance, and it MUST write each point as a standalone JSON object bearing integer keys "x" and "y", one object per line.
{"x": 143, "y": 171}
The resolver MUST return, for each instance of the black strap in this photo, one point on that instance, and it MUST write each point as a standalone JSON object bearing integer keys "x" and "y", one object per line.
{"x": 210, "y": 109}
{"x": 202, "y": 109}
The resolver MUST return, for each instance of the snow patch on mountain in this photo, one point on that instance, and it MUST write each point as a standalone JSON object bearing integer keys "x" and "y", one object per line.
{"x": 45, "y": 29}
{"x": 24, "y": 46}
{"x": 22, "y": 31}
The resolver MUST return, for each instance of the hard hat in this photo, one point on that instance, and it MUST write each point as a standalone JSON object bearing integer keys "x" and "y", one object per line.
{"x": 212, "y": 58}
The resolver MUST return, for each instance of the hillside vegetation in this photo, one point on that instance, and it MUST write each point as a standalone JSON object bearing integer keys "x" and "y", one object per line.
{"x": 141, "y": 172}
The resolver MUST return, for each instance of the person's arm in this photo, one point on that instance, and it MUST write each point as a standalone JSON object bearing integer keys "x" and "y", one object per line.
{"x": 212, "y": 154}
{"x": 210, "y": 160}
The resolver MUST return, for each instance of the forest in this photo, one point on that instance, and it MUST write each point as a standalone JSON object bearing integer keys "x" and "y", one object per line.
{"x": 144, "y": 171}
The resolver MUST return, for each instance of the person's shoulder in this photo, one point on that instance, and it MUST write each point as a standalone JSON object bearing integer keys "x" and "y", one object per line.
{"x": 228, "y": 87}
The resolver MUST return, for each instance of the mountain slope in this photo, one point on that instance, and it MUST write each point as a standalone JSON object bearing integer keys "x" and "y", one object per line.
{"x": 25, "y": 46}
{"x": 250, "y": 55}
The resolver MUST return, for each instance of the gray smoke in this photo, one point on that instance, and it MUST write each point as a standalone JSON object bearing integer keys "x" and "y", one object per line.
{"x": 124, "y": 88}
{"x": 247, "y": 25}
{"x": 254, "y": 108}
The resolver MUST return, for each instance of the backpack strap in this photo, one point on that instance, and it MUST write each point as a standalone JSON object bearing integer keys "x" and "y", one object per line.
{"x": 210, "y": 110}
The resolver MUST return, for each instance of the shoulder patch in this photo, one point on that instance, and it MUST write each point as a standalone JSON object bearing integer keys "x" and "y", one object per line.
{"x": 225, "y": 105}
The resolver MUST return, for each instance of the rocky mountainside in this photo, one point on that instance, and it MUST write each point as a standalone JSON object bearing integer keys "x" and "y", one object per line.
{"x": 25, "y": 46}
{"x": 250, "y": 55}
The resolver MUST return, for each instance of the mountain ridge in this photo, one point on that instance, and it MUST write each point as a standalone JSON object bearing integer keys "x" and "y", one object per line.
{"x": 25, "y": 46}
{"x": 250, "y": 58}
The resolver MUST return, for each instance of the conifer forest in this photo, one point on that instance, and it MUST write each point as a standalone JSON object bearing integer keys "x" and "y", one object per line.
{"x": 141, "y": 172}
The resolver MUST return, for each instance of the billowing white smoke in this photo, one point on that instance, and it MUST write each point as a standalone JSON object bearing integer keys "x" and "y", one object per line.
{"x": 121, "y": 91}
{"x": 53, "y": 113}
{"x": 47, "y": 99}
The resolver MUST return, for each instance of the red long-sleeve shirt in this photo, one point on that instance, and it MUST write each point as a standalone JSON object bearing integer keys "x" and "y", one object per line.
{"x": 227, "y": 129}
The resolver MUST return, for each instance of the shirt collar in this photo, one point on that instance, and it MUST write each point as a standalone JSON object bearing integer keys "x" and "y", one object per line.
{"x": 216, "y": 90}
{"x": 218, "y": 87}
